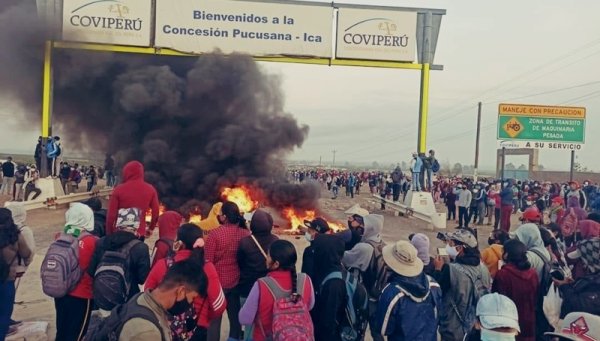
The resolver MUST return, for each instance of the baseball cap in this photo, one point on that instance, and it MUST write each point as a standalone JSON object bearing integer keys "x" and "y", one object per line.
{"x": 532, "y": 214}
{"x": 463, "y": 236}
{"x": 497, "y": 311}
{"x": 318, "y": 224}
{"x": 356, "y": 209}
{"x": 579, "y": 327}
{"x": 558, "y": 200}
{"x": 402, "y": 257}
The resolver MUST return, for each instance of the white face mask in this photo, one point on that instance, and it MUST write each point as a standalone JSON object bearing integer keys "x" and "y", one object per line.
{"x": 490, "y": 335}
{"x": 308, "y": 237}
{"x": 451, "y": 250}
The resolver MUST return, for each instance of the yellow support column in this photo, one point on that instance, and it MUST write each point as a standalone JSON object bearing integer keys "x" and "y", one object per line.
{"x": 423, "y": 109}
{"x": 47, "y": 90}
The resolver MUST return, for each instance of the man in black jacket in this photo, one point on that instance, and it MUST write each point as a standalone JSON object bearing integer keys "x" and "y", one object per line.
{"x": 253, "y": 250}
{"x": 8, "y": 173}
{"x": 329, "y": 312}
{"x": 139, "y": 256}
{"x": 313, "y": 229}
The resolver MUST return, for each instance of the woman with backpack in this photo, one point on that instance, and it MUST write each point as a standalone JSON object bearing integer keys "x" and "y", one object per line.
{"x": 278, "y": 305}
{"x": 211, "y": 301}
{"x": 518, "y": 281}
{"x": 168, "y": 224}
{"x": 12, "y": 247}
{"x": 73, "y": 310}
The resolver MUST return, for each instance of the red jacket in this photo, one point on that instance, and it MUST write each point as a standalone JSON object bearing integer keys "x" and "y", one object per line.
{"x": 209, "y": 307}
{"x": 133, "y": 192}
{"x": 521, "y": 286}
{"x": 168, "y": 223}
{"x": 266, "y": 301}
{"x": 87, "y": 246}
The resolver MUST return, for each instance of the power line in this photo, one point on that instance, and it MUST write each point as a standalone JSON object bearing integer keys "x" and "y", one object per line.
{"x": 547, "y": 92}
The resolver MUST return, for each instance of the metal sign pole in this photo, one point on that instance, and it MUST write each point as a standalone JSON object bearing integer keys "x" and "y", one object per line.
{"x": 572, "y": 165}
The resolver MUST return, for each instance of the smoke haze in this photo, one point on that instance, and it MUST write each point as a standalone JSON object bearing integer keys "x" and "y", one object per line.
{"x": 197, "y": 124}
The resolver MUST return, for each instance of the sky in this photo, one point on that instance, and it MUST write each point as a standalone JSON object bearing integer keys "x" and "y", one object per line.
{"x": 492, "y": 51}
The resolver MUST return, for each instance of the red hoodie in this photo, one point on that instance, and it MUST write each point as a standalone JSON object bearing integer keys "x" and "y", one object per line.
{"x": 133, "y": 192}
{"x": 168, "y": 223}
{"x": 521, "y": 286}
{"x": 214, "y": 293}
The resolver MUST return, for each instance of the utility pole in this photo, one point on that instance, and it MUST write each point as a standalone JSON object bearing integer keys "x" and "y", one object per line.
{"x": 572, "y": 165}
{"x": 333, "y": 164}
{"x": 476, "y": 169}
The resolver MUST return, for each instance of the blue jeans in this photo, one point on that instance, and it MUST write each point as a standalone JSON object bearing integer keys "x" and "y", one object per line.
{"x": 415, "y": 186}
{"x": 7, "y": 301}
{"x": 429, "y": 179}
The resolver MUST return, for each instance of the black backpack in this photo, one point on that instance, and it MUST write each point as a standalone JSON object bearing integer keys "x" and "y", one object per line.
{"x": 112, "y": 279}
{"x": 378, "y": 273}
{"x": 582, "y": 296}
{"x": 109, "y": 329}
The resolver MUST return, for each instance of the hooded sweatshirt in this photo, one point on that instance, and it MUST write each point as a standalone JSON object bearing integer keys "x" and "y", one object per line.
{"x": 133, "y": 192}
{"x": 414, "y": 315}
{"x": 251, "y": 260}
{"x": 529, "y": 234}
{"x": 19, "y": 215}
{"x": 329, "y": 311}
{"x": 168, "y": 223}
{"x": 521, "y": 286}
{"x": 490, "y": 256}
{"x": 80, "y": 218}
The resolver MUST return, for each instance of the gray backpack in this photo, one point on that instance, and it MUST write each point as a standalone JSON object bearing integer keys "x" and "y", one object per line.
{"x": 60, "y": 271}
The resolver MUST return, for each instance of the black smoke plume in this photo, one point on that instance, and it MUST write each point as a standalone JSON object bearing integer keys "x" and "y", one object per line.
{"x": 197, "y": 124}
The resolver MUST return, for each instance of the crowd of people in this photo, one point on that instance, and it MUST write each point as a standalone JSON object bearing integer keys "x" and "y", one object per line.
{"x": 538, "y": 280}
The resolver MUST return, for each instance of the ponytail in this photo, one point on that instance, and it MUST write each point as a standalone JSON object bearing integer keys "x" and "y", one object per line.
{"x": 232, "y": 212}
{"x": 295, "y": 295}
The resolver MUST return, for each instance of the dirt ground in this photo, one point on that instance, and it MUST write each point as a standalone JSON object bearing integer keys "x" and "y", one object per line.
{"x": 32, "y": 305}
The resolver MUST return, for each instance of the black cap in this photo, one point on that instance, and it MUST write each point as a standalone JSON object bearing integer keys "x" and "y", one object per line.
{"x": 319, "y": 224}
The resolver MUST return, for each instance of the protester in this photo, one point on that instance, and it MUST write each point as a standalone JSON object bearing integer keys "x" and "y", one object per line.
{"x": 416, "y": 166}
{"x": 506, "y": 205}
{"x": 464, "y": 202}
{"x": 312, "y": 229}
{"x": 463, "y": 281}
{"x": 210, "y": 302}
{"x": 421, "y": 243}
{"x": 73, "y": 310}
{"x": 8, "y": 177}
{"x": 99, "y": 216}
{"x": 367, "y": 258}
{"x": 330, "y": 307}
{"x": 133, "y": 259}
{"x": 429, "y": 163}
{"x": 31, "y": 178}
{"x": 583, "y": 294}
{"x": 529, "y": 234}
{"x": 396, "y": 183}
{"x": 19, "y": 187}
{"x": 408, "y": 307}
{"x": 518, "y": 281}
{"x": 492, "y": 255}
{"x": 450, "y": 201}
{"x": 222, "y": 247}
{"x": 280, "y": 283}
{"x": 13, "y": 246}
{"x": 356, "y": 228}
{"x": 557, "y": 210}
{"x": 252, "y": 254}
{"x": 497, "y": 319}
{"x": 92, "y": 178}
{"x": 168, "y": 224}
{"x": 146, "y": 315}
{"x": 109, "y": 169}
{"x": 134, "y": 192}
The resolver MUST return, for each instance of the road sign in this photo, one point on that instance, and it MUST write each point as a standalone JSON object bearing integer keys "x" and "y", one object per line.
{"x": 542, "y": 127}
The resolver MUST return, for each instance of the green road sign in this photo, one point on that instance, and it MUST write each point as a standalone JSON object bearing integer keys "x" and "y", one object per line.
{"x": 517, "y": 122}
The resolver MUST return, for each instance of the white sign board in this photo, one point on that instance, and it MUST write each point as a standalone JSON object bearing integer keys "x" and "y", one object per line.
{"x": 259, "y": 29}
{"x": 120, "y": 22}
{"x": 376, "y": 34}
{"x": 540, "y": 145}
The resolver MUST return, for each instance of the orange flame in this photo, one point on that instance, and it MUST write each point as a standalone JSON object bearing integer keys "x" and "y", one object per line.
{"x": 297, "y": 218}
{"x": 161, "y": 210}
{"x": 242, "y": 196}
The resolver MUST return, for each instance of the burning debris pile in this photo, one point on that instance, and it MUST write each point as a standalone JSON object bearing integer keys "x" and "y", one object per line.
{"x": 199, "y": 125}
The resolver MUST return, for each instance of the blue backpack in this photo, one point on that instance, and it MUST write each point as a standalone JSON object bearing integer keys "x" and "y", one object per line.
{"x": 357, "y": 305}
{"x": 436, "y": 166}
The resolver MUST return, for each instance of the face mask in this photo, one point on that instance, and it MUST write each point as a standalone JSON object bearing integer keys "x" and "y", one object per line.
{"x": 308, "y": 237}
{"x": 179, "y": 307}
{"x": 490, "y": 335}
{"x": 452, "y": 251}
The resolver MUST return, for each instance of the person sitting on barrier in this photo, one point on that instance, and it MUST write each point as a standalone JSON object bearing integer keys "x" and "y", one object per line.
{"x": 31, "y": 179}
